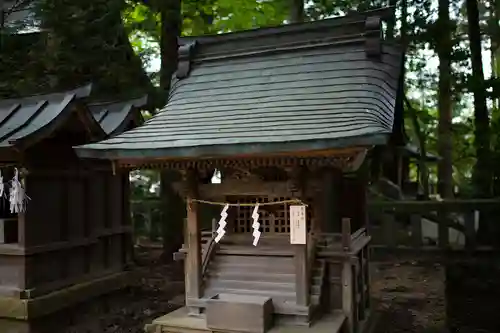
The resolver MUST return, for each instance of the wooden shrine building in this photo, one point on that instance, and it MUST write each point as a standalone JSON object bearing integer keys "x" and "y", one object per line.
{"x": 284, "y": 113}
{"x": 72, "y": 242}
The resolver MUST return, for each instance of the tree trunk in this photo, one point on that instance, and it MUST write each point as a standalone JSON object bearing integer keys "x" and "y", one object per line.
{"x": 445, "y": 146}
{"x": 171, "y": 24}
{"x": 494, "y": 34}
{"x": 482, "y": 172}
{"x": 423, "y": 175}
{"x": 297, "y": 11}
{"x": 172, "y": 205}
{"x": 391, "y": 22}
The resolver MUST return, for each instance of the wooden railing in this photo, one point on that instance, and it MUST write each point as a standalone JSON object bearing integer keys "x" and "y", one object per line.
{"x": 430, "y": 224}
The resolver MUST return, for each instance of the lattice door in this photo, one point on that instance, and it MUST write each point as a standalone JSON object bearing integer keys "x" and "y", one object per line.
{"x": 274, "y": 219}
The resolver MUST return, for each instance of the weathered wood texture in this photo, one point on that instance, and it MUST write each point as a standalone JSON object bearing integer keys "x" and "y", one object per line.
{"x": 76, "y": 230}
{"x": 193, "y": 263}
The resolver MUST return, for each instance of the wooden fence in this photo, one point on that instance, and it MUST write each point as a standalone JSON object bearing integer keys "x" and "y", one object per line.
{"x": 433, "y": 225}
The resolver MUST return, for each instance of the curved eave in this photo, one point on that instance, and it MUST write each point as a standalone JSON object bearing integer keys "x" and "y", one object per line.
{"x": 34, "y": 118}
{"x": 68, "y": 108}
{"x": 228, "y": 150}
{"x": 114, "y": 117}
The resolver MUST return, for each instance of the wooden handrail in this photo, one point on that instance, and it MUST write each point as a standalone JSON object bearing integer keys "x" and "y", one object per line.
{"x": 358, "y": 233}
{"x": 207, "y": 254}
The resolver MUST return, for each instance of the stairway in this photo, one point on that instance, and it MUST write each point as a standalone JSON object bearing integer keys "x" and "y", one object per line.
{"x": 265, "y": 270}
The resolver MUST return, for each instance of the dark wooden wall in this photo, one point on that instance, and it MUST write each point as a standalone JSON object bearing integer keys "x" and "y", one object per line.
{"x": 352, "y": 201}
{"x": 76, "y": 228}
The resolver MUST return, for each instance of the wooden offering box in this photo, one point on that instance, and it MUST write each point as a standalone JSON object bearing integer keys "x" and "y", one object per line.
{"x": 239, "y": 313}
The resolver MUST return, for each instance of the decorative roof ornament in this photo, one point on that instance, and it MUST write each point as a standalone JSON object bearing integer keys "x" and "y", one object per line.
{"x": 373, "y": 37}
{"x": 186, "y": 54}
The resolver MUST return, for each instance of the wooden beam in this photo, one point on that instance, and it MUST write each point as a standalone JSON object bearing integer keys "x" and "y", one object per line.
{"x": 346, "y": 160}
{"x": 422, "y": 207}
{"x": 193, "y": 262}
{"x": 232, "y": 187}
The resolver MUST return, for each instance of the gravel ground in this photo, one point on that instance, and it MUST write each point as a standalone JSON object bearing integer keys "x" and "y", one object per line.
{"x": 410, "y": 298}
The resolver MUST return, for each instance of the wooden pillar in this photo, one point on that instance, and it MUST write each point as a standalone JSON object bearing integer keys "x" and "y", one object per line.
{"x": 331, "y": 185}
{"x": 193, "y": 259}
{"x": 347, "y": 277}
{"x": 300, "y": 251}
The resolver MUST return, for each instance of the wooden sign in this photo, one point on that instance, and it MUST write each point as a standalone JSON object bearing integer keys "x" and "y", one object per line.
{"x": 298, "y": 226}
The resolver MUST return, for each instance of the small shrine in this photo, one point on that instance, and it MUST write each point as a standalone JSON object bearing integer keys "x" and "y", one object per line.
{"x": 287, "y": 116}
{"x": 65, "y": 235}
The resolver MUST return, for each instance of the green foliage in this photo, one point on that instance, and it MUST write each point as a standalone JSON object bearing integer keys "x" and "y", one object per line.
{"x": 82, "y": 41}
{"x": 87, "y": 41}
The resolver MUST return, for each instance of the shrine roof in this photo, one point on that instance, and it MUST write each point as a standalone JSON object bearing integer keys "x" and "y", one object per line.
{"x": 312, "y": 86}
{"x": 27, "y": 120}
{"x": 113, "y": 117}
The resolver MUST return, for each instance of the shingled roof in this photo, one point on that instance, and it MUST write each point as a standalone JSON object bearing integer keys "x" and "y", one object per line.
{"x": 319, "y": 85}
{"x": 26, "y": 121}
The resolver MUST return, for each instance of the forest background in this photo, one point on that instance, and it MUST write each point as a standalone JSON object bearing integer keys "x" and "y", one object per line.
{"x": 129, "y": 47}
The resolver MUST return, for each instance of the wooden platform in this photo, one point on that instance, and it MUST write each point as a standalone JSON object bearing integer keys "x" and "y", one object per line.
{"x": 180, "y": 322}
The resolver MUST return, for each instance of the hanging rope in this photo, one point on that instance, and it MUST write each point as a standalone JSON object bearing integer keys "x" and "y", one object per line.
{"x": 220, "y": 203}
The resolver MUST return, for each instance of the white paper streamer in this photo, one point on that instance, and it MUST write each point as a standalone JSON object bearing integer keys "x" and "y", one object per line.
{"x": 222, "y": 224}
{"x": 256, "y": 225}
{"x": 2, "y": 185}
{"x": 17, "y": 195}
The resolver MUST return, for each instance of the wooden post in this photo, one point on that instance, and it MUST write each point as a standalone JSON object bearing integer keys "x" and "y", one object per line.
{"x": 470, "y": 230}
{"x": 362, "y": 283}
{"x": 367, "y": 278}
{"x": 443, "y": 233}
{"x": 301, "y": 283}
{"x": 416, "y": 230}
{"x": 347, "y": 277}
{"x": 300, "y": 251}
{"x": 193, "y": 260}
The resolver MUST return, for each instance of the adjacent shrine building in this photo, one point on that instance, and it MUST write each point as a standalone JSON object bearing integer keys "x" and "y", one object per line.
{"x": 72, "y": 242}
{"x": 285, "y": 114}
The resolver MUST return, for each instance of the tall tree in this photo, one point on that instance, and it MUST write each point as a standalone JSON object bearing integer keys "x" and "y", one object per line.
{"x": 445, "y": 144}
{"x": 172, "y": 204}
{"x": 296, "y": 11}
{"x": 482, "y": 172}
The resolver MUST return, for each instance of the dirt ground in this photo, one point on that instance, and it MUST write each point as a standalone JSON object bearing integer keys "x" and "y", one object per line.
{"x": 410, "y": 298}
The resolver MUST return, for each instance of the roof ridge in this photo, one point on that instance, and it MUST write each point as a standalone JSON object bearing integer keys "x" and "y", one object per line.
{"x": 363, "y": 28}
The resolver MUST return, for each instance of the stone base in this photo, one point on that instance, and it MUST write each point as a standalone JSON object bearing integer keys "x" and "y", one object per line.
{"x": 179, "y": 321}
{"x": 52, "y": 313}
